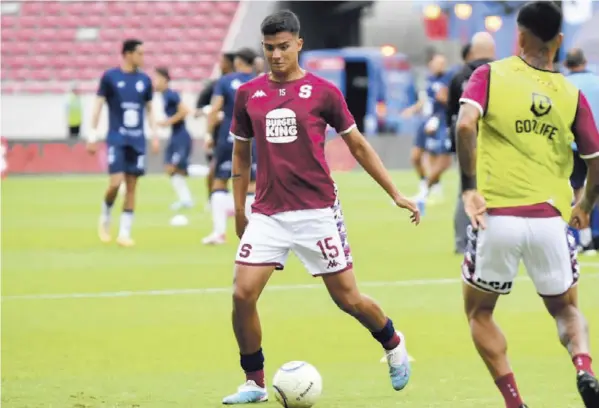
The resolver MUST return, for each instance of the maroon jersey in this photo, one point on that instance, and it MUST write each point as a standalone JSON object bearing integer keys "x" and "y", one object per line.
{"x": 288, "y": 122}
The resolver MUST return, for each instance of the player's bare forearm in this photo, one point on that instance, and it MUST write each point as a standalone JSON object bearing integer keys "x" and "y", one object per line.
{"x": 216, "y": 106}
{"x": 368, "y": 158}
{"x": 241, "y": 169}
{"x": 151, "y": 118}
{"x": 591, "y": 192}
{"x": 97, "y": 111}
{"x": 467, "y": 131}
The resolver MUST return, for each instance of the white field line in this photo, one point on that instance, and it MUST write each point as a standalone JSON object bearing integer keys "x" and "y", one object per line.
{"x": 271, "y": 288}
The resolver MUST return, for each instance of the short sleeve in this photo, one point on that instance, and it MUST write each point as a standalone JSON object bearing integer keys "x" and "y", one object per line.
{"x": 476, "y": 92}
{"x": 219, "y": 88}
{"x": 241, "y": 125}
{"x": 585, "y": 130}
{"x": 104, "y": 86}
{"x": 175, "y": 99}
{"x": 337, "y": 113}
{"x": 205, "y": 95}
{"x": 149, "y": 90}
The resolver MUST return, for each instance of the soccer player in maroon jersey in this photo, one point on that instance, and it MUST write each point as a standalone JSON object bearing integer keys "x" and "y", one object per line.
{"x": 296, "y": 208}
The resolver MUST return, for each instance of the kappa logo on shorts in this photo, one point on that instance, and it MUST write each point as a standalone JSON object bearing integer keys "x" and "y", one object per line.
{"x": 333, "y": 264}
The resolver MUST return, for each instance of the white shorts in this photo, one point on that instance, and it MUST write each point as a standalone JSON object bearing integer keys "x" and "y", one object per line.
{"x": 317, "y": 237}
{"x": 545, "y": 245}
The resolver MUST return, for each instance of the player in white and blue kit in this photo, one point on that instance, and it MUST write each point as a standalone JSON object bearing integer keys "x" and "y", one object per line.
{"x": 432, "y": 136}
{"x": 178, "y": 149}
{"x": 128, "y": 94}
{"x": 223, "y": 99}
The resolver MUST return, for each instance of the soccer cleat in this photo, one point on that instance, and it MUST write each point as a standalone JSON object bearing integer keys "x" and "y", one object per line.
{"x": 125, "y": 242}
{"x": 104, "y": 230}
{"x": 588, "y": 387}
{"x": 399, "y": 365}
{"x": 248, "y": 393}
{"x": 214, "y": 239}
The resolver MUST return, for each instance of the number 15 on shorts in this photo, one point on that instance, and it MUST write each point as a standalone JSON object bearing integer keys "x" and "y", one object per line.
{"x": 330, "y": 252}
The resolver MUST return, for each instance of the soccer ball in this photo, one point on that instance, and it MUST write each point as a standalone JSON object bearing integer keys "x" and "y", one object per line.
{"x": 297, "y": 384}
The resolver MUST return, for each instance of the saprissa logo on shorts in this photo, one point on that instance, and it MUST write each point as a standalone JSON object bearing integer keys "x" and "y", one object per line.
{"x": 541, "y": 105}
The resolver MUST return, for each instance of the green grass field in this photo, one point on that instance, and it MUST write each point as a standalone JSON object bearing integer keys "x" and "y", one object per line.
{"x": 149, "y": 326}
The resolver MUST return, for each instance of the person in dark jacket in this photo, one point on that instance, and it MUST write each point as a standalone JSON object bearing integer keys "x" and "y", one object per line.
{"x": 482, "y": 51}
{"x": 203, "y": 107}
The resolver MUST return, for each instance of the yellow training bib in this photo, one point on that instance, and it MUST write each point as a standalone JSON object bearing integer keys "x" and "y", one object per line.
{"x": 524, "y": 153}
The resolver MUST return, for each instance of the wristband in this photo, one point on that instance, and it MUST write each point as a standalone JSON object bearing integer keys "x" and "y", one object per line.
{"x": 468, "y": 182}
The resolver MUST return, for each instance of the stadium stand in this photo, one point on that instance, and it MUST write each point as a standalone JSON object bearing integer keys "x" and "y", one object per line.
{"x": 47, "y": 45}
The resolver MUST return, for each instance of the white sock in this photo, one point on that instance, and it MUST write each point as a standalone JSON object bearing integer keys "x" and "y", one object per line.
{"x": 585, "y": 236}
{"x": 437, "y": 188}
{"x": 181, "y": 189}
{"x": 230, "y": 204}
{"x": 423, "y": 188}
{"x": 126, "y": 224}
{"x": 106, "y": 210}
{"x": 218, "y": 205}
{"x": 249, "y": 200}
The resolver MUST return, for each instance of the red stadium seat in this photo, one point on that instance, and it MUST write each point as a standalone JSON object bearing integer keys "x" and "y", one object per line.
{"x": 42, "y": 74}
{"x": 97, "y": 8}
{"x": 199, "y": 73}
{"x": 226, "y": 7}
{"x": 76, "y": 8}
{"x": 185, "y": 60}
{"x": 9, "y": 21}
{"x": 91, "y": 20}
{"x": 15, "y": 61}
{"x": 41, "y": 43}
{"x": 47, "y": 8}
{"x": 23, "y": 34}
{"x": 117, "y": 8}
{"x": 163, "y": 7}
{"x": 51, "y": 21}
{"x": 29, "y": 21}
{"x": 22, "y": 74}
{"x": 115, "y": 21}
{"x": 32, "y": 8}
{"x": 66, "y": 74}
{"x": 111, "y": 34}
{"x": 40, "y": 61}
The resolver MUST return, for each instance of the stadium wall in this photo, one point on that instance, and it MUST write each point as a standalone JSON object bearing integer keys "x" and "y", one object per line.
{"x": 43, "y": 156}
{"x": 44, "y": 116}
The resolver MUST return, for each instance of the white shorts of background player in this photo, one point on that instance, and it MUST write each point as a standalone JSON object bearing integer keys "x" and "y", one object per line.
{"x": 545, "y": 246}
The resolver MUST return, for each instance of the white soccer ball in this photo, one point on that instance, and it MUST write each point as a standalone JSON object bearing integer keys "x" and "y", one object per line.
{"x": 179, "y": 220}
{"x": 297, "y": 384}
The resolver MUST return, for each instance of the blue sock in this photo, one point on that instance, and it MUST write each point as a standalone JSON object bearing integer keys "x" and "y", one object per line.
{"x": 387, "y": 336}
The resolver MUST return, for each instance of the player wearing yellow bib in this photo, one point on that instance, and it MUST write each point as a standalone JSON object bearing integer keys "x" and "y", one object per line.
{"x": 515, "y": 129}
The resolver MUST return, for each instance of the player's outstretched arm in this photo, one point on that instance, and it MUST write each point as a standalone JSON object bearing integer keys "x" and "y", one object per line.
{"x": 368, "y": 158}
{"x": 467, "y": 132}
{"x": 92, "y": 135}
{"x": 586, "y": 136}
{"x": 153, "y": 128}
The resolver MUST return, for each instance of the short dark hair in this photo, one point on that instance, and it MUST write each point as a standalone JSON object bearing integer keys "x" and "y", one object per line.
{"x": 163, "y": 71}
{"x": 247, "y": 55}
{"x": 543, "y": 19}
{"x": 284, "y": 21}
{"x": 465, "y": 51}
{"x": 229, "y": 56}
{"x": 130, "y": 45}
{"x": 575, "y": 58}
